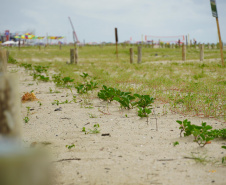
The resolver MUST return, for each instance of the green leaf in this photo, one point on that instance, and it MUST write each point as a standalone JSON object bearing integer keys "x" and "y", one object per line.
{"x": 178, "y": 121}
{"x": 148, "y": 111}
{"x": 209, "y": 139}
{"x": 203, "y": 137}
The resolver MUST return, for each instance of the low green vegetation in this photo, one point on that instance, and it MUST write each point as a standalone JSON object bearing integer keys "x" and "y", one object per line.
{"x": 70, "y": 146}
{"x": 191, "y": 87}
{"x": 127, "y": 100}
{"x": 202, "y": 134}
{"x": 95, "y": 129}
{"x": 40, "y": 103}
{"x": 87, "y": 85}
{"x": 26, "y": 118}
{"x": 57, "y": 102}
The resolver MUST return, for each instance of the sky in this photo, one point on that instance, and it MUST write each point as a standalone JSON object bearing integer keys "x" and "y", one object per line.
{"x": 95, "y": 20}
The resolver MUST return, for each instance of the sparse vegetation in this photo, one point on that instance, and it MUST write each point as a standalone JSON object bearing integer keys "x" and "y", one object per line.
{"x": 161, "y": 84}
{"x": 95, "y": 130}
{"x": 70, "y": 146}
{"x": 202, "y": 134}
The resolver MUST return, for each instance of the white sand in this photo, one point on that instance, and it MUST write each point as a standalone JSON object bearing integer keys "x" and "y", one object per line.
{"x": 135, "y": 153}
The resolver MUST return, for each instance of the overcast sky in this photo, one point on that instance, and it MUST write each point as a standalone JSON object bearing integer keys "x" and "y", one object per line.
{"x": 95, "y": 20}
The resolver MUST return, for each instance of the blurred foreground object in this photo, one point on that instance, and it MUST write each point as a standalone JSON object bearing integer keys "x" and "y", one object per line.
{"x": 10, "y": 114}
{"x": 18, "y": 165}
{"x": 3, "y": 60}
{"x": 22, "y": 166}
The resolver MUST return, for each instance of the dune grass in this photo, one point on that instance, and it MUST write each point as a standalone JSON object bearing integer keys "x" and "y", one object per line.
{"x": 190, "y": 87}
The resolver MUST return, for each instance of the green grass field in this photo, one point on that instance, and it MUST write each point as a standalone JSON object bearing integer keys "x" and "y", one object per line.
{"x": 191, "y": 87}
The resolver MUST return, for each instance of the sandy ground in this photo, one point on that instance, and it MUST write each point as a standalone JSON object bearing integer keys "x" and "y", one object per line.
{"x": 134, "y": 153}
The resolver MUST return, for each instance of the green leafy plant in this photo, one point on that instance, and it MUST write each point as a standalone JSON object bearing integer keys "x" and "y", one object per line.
{"x": 84, "y": 75}
{"x": 125, "y": 100}
{"x": 67, "y": 80}
{"x": 26, "y": 119}
{"x": 74, "y": 97}
{"x": 28, "y": 110}
{"x": 40, "y": 103}
{"x": 57, "y": 79}
{"x": 40, "y": 69}
{"x": 43, "y": 78}
{"x": 85, "y": 87}
{"x": 186, "y": 127}
{"x": 218, "y": 133}
{"x": 175, "y": 143}
{"x": 202, "y": 134}
{"x": 12, "y": 60}
{"x": 144, "y": 104}
{"x": 144, "y": 101}
{"x": 26, "y": 66}
{"x": 56, "y": 102}
{"x": 70, "y": 146}
{"x": 108, "y": 93}
{"x": 143, "y": 112}
{"x": 95, "y": 130}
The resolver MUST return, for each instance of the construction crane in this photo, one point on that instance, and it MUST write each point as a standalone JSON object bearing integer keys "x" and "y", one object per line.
{"x": 75, "y": 38}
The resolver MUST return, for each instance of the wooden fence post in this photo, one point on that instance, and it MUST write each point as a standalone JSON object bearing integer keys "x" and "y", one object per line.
{"x": 19, "y": 44}
{"x": 183, "y": 52}
{"x": 10, "y": 119}
{"x": 201, "y": 46}
{"x": 139, "y": 54}
{"x": 3, "y": 61}
{"x": 17, "y": 162}
{"x": 74, "y": 56}
{"x": 131, "y": 55}
{"x": 116, "y": 41}
{"x": 9, "y": 100}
